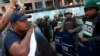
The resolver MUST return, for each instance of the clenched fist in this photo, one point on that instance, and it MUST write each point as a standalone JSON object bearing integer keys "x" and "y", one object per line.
{"x": 13, "y": 2}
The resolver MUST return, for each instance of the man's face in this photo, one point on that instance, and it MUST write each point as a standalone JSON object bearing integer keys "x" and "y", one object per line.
{"x": 22, "y": 25}
{"x": 90, "y": 12}
{"x": 68, "y": 16}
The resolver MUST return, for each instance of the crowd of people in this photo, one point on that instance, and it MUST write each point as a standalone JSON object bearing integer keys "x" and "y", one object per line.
{"x": 47, "y": 25}
{"x": 63, "y": 30}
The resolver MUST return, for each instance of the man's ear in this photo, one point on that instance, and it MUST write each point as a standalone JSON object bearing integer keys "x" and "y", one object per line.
{"x": 13, "y": 25}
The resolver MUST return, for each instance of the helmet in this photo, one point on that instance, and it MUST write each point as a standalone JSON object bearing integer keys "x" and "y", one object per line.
{"x": 68, "y": 11}
{"x": 91, "y": 5}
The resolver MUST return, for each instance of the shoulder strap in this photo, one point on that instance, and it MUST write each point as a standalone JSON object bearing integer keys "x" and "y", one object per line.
{"x": 75, "y": 22}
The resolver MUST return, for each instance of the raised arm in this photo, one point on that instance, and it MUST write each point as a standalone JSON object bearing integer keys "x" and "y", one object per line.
{"x": 4, "y": 20}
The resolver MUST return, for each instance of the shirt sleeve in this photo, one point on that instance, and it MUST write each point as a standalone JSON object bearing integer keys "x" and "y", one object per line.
{"x": 79, "y": 25}
{"x": 9, "y": 40}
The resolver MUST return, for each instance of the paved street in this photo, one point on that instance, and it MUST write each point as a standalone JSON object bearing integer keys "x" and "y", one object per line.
{"x": 53, "y": 45}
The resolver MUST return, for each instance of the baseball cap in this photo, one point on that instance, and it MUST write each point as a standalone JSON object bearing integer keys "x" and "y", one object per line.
{"x": 18, "y": 16}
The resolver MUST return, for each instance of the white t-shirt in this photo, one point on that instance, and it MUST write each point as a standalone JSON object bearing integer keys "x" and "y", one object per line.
{"x": 33, "y": 45}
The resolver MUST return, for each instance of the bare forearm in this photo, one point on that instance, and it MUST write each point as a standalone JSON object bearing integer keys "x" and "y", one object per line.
{"x": 25, "y": 43}
{"x": 23, "y": 47}
{"x": 5, "y": 18}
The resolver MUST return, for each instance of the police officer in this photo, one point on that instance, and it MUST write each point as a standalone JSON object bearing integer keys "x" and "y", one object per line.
{"x": 47, "y": 27}
{"x": 91, "y": 30}
{"x": 71, "y": 27}
{"x": 54, "y": 24}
